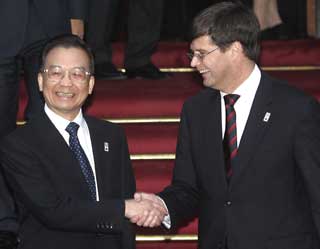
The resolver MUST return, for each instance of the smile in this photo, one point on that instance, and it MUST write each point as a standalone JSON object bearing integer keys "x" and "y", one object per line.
{"x": 67, "y": 95}
{"x": 203, "y": 71}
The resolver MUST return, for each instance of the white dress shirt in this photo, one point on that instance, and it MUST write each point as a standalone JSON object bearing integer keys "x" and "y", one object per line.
{"x": 83, "y": 134}
{"x": 247, "y": 91}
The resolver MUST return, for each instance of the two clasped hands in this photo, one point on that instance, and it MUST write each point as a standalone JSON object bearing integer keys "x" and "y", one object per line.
{"x": 146, "y": 210}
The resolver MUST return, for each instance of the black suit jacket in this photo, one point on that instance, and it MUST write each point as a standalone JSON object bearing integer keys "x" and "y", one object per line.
{"x": 54, "y": 16}
{"x": 53, "y": 198}
{"x": 273, "y": 198}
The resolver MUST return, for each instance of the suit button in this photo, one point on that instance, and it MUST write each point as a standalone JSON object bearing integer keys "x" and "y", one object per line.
{"x": 228, "y": 203}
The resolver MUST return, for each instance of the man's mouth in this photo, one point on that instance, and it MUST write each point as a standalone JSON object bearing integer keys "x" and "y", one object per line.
{"x": 203, "y": 71}
{"x": 65, "y": 95}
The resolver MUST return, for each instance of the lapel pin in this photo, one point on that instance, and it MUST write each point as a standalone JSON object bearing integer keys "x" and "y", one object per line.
{"x": 266, "y": 117}
{"x": 106, "y": 146}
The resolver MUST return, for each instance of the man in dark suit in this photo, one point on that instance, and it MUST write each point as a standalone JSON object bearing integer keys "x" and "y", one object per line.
{"x": 25, "y": 26}
{"x": 248, "y": 153}
{"x": 144, "y": 26}
{"x": 71, "y": 174}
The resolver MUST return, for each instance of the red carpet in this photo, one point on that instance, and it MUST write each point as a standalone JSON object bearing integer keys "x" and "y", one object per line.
{"x": 161, "y": 137}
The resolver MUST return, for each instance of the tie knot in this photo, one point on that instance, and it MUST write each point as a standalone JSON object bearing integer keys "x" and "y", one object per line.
{"x": 231, "y": 99}
{"x": 72, "y": 128}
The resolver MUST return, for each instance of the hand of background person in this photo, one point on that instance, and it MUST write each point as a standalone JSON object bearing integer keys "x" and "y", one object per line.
{"x": 144, "y": 212}
{"x": 147, "y": 220}
{"x": 77, "y": 27}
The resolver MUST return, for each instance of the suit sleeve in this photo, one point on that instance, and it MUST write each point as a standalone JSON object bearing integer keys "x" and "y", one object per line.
{"x": 307, "y": 153}
{"x": 33, "y": 187}
{"x": 78, "y": 9}
{"x": 182, "y": 196}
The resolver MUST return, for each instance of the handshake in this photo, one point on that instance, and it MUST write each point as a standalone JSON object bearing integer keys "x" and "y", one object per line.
{"x": 146, "y": 210}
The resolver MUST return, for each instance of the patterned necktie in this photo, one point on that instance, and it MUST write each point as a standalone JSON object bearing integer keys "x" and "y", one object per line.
{"x": 77, "y": 150}
{"x": 230, "y": 146}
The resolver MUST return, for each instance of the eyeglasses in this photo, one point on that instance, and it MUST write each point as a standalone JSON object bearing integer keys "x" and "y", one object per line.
{"x": 200, "y": 56}
{"x": 75, "y": 74}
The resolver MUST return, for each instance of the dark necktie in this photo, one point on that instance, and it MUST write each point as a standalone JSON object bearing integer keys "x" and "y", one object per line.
{"x": 77, "y": 150}
{"x": 230, "y": 146}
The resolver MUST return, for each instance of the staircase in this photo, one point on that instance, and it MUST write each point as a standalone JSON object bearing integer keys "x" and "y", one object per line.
{"x": 149, "y": 112}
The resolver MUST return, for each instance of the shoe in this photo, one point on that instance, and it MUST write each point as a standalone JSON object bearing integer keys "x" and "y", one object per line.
{"x": 278, "y": 32}
{"x": 107, "y": 71}
{"x": 148, "y": 71}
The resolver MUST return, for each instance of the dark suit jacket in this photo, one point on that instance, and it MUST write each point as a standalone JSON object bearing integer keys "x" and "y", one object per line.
{"x": 54, "y": 16}
{"x": 273, "y": 198}
{"x": 53, "y": 199}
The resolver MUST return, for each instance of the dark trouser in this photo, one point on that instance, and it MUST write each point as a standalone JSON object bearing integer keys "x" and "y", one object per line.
{"x": 29, "y": 60}
{"x": 144, "y": 24}
{"x": 9, "y": 85}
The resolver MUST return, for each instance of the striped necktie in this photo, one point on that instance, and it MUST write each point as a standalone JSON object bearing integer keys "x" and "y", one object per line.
{"x": 230, "y": 146}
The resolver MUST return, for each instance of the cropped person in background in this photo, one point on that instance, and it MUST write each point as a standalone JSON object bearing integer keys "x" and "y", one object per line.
{"x": 271, "y": 24}
{"x": 26, "y": 25}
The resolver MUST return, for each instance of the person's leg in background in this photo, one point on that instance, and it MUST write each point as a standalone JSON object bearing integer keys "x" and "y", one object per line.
{"x": 144, "y": 26}
{"x": 98, "y": 35}
{"x": 35, "y": 39}
{"x": 271, "y": 23}
{"x": 9, "y": 85}
{"x": 267, "y": 13}
{"x": 31, "y": 66}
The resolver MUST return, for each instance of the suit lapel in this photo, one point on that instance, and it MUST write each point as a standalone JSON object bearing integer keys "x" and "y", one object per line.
{"x": 101, "y": 157}
{"x": 212, "y": 133}
{"x": 59, "y": 155}
{"x": 255, "y": 128}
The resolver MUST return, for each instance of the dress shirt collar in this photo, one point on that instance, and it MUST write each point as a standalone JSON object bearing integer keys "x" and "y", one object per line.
{"x": 248, "y": 88}
{"x": 61, "y": 123}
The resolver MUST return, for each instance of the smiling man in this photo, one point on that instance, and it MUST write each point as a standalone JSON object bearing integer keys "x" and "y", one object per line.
{"x": 70, "y": 190}
{"x": 248, "y": 152}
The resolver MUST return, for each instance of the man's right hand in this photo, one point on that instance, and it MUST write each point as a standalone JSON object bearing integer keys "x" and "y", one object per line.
{"x": 145, "y": 212}
{"x": 156, "y": 202}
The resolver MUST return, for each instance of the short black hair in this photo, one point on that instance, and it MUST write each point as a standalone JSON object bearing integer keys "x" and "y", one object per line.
{"x": 68, "y": 41}
{"x": 227, "y": 22}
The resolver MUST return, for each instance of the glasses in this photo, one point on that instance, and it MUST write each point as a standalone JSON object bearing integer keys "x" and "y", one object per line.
{"x": 200, "y": 56}
{"x": 75, "y": 74}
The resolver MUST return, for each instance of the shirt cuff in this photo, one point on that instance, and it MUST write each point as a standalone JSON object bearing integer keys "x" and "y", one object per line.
{"x": 166, "y": 220}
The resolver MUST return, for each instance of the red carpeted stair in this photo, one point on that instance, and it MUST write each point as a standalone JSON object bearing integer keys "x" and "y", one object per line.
{"x": 149, "y": 112}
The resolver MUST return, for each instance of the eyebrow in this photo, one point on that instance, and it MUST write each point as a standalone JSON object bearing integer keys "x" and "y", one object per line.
{"x": 198, "y": 51}
{"x": 79, "y": 67}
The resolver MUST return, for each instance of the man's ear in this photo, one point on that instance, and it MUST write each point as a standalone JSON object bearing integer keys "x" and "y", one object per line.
{"x": 237, "y": 47}
{"x": 40, "y": 82}
{"x": 91, "y": 84}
